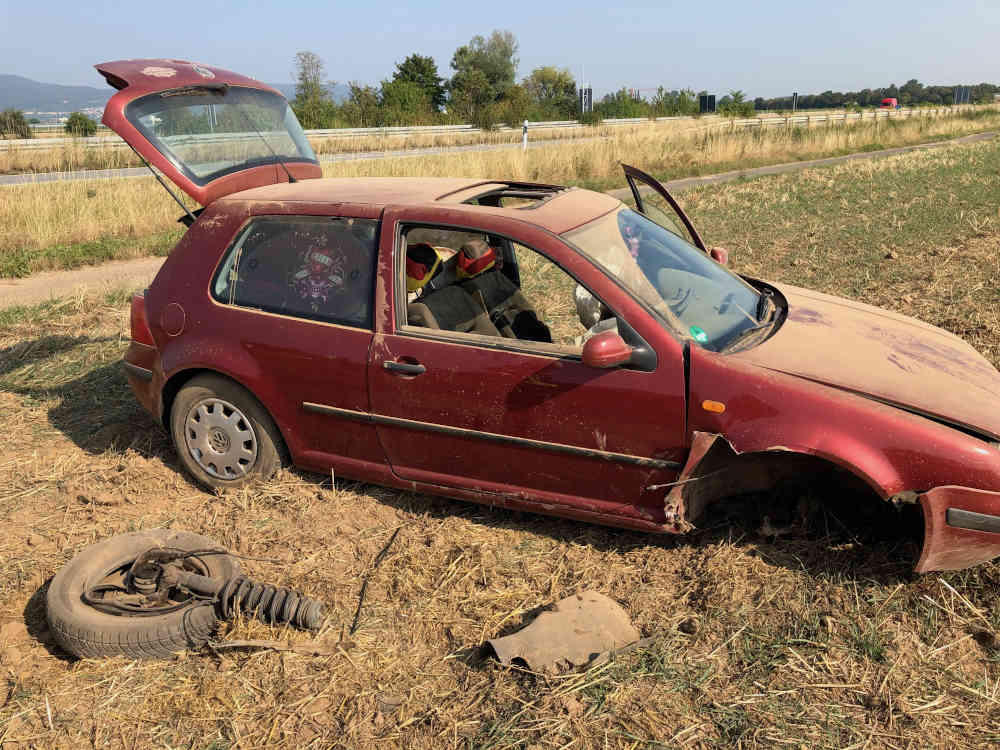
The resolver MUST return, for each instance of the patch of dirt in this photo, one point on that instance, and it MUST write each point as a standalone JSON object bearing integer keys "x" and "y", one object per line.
{"x": 78, "y": 281}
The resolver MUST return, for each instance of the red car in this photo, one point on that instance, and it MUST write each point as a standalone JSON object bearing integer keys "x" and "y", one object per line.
{"x": 529, "y": 346}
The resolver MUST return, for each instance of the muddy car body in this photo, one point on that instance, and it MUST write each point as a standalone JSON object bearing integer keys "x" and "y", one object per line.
{"x": 692, "y": 383}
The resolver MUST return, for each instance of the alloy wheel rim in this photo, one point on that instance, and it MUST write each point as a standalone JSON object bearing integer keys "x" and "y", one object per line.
{"x": 220, "y": 439}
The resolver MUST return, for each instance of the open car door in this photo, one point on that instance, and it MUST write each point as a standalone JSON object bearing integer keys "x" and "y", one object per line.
{"x": 658, "y": 205}
{"x": 212, "y": 132}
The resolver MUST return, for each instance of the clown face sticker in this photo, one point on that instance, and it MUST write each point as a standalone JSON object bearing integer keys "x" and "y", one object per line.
{"x": 320, "y": 276}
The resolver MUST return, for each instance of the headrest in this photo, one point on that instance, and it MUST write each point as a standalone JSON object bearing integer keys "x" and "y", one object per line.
{"x": 422, "y": 262}
{"x": 474, "y": 258}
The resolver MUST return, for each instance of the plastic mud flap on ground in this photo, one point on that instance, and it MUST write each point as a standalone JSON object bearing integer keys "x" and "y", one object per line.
{"x": 575, "y": 632}
{"x": 961, "y": 528}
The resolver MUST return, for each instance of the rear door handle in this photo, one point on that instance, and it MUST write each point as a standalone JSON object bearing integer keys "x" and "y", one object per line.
{"x": 405, "y": 368}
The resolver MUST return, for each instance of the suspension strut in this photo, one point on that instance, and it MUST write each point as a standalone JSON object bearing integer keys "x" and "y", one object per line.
{"x": 273, "y": 605}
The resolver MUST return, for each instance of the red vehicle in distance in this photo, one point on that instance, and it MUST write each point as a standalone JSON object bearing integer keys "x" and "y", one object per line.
{"x": 889, "y": 103}
{"x": 534, "y": 347}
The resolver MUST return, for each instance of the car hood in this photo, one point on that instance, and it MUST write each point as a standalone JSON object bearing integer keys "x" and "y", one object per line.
{"x": 883, "y": 355}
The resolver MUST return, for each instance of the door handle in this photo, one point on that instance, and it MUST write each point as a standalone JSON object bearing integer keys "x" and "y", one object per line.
{"x": 405, "y": 368}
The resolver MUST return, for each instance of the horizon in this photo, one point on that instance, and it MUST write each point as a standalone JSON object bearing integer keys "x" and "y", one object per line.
{"x": 766, "y": 51}
{"x": 803, "y": 93}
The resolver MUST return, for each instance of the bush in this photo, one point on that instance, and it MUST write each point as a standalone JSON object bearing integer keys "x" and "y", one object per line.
{"x": 79, "y": 125}
{"x": 13, "y": 124}
{"x": 590, "y": 118}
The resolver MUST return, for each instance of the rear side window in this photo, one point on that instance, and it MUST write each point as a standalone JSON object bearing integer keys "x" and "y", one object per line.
{"x": 305, "y": 267}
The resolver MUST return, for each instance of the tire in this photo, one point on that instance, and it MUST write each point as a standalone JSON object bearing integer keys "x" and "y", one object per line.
{"x": 87, "y": 632}
{"x": 212, "y": 454}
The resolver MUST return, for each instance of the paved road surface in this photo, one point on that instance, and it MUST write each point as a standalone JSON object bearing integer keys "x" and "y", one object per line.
{"x": 136, "y": 273}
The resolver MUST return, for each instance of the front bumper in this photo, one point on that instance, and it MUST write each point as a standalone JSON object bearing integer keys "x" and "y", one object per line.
{"x": 961, "y": 528}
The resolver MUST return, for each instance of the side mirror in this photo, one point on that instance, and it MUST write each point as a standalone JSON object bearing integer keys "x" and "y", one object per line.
{"x": 720, "y": 255}
{"x": 606, "y": 349}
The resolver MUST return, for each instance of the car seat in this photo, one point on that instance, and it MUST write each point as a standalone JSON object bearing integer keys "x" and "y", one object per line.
{"x": 509, "y": 310}
{"x": 448, "y": 308}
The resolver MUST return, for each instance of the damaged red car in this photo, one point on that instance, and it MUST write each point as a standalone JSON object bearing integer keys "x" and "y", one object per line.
{"x": 529, "y": 346}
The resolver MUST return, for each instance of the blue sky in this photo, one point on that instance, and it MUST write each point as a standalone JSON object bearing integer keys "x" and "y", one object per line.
{"x": 767, "y": 48}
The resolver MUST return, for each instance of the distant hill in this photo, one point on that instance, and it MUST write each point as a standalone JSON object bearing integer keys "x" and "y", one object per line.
{"x": 23, "y": 93}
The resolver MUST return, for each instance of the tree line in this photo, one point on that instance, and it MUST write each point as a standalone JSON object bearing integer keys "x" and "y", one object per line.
{"x": 910, "y": 94}
{"x": 482, "y": 90}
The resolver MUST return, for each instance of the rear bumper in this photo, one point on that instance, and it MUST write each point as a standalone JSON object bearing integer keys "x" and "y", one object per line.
{"x": 961, "y": 528}
{"x": 142, "y": 367}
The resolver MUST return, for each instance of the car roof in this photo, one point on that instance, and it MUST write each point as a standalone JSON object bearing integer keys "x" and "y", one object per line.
{"x": 558, "y": 209}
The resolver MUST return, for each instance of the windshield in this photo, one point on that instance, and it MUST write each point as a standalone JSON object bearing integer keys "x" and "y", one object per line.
{"x": 208, "y": 132}
{"x": 692, "y": 293}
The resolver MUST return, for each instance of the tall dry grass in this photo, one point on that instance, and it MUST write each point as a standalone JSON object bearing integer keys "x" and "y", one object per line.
{"x": 76, "y": 155}
{"x": 37, "y": 216}
{"x": 691, "y": 151}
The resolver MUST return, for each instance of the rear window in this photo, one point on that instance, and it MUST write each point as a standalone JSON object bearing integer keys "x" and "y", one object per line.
{"x": 208, "y": 132}
{"x": 304, "y": 267}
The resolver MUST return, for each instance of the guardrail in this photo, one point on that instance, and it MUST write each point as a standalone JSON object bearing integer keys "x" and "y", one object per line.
{"x": 329, "y": 133}
{"x": 762, "y": 120}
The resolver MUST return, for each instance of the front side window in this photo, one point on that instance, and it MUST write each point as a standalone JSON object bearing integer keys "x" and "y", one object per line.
{"x": 306, "y": 267}
{"x": 208, "y": 132}
{"x": 480, "y": 284}
{"x": 693, "y": 294}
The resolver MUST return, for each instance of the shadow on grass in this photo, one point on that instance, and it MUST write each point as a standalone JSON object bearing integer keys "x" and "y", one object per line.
{"x": 827, "y": 531}
{"x": 96, "y": 410}
{"x": 36, "y": 622}
{"x": 853, "y": 537}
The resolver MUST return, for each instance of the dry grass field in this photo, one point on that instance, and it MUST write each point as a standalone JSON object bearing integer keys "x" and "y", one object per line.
{"x": 597, "y": 164}
{"x": 819, "y": 639}
{"x": 77, "y": 155}
{"x": 66, "y": 224}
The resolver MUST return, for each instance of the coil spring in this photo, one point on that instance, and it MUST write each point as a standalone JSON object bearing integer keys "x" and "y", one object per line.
{"x": 273, "y": 605}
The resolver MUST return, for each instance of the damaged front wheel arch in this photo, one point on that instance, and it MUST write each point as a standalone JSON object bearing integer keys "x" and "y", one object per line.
{"x": 781, "y": 484}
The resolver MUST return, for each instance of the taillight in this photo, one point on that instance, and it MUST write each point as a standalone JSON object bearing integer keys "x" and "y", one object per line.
{"x": 140, "y": 326}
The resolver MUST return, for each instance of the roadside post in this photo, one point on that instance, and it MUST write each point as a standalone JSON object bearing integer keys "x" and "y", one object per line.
{"x": 524, "y": 136}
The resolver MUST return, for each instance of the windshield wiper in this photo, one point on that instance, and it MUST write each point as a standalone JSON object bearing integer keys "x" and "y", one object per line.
{"x": 765, "y": 304}
{"x": 746, "y": 332}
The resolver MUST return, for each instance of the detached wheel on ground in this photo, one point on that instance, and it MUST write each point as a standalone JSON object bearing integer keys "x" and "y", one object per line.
{"x": 93, "y": 610}
{"x": 223, "y": 436}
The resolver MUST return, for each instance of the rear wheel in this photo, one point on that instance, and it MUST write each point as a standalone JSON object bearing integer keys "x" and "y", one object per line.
{"x": 223, "y": 436}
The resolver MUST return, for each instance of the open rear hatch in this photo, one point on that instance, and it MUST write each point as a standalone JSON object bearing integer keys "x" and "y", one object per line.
{"x": 212, "y": 132}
